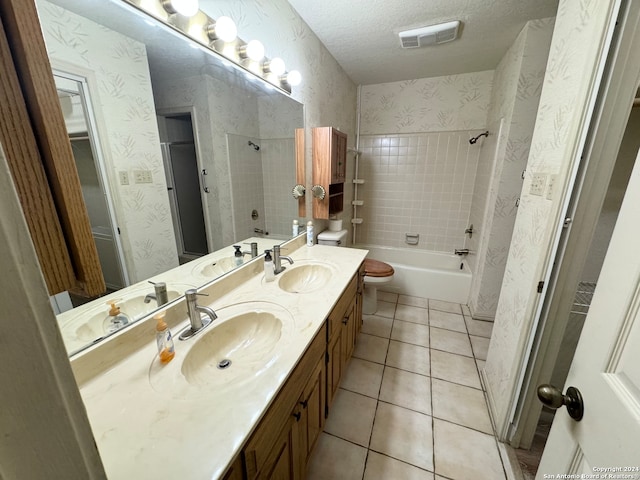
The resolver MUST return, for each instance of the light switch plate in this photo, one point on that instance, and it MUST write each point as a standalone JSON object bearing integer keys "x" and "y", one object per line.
{"x": 142, "y": 176}
{"x": 538, "y": 182}
{"x": 123, "y": 176}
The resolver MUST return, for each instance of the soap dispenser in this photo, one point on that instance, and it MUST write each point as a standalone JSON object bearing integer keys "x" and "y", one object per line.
{"x": 238, "y": 255}
{"x": 269, "y": 267}
{"x": 164, "y": 340}
{"x": 115, "y": 319}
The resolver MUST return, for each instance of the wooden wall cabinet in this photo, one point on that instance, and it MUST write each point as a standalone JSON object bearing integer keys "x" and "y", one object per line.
{"x": 329, "y": 169}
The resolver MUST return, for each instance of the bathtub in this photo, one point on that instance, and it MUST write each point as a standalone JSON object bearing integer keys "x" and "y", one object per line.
{"x": 420, "y": 273}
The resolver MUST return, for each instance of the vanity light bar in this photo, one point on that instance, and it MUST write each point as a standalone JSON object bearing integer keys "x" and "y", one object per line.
{"x": 205, "y": 30}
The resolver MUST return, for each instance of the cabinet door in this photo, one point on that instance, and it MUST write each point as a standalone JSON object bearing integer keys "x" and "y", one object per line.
{"x": 234, "y": 472}
{"x": 348, "y": 333}
{"x": 359, "y": 299}
{"x": 338, "y": 156}
{"x": 334, "y": 367}
{"x": 282, "y": 463}
{"x": 314, "y": 405}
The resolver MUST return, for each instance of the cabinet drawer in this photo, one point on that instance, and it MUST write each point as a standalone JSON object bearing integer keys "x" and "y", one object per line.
{"x": 256, "y": 452}
{"x": 340, "y": 310}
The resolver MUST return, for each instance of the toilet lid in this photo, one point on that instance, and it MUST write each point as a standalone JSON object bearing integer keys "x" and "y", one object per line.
{"x": 376, "y": 268}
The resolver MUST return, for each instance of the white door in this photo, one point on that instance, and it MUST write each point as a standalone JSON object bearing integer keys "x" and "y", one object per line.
{"x": 606, "y": 367}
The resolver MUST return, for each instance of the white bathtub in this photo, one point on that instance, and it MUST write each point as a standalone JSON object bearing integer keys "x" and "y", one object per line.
{"x": 421, "y": 273}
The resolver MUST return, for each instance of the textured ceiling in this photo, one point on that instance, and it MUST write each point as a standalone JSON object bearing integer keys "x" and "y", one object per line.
{"x": 362, "y": 35}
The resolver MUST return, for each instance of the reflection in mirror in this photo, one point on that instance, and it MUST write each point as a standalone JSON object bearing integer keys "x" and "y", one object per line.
{"x": 163, "y": 108}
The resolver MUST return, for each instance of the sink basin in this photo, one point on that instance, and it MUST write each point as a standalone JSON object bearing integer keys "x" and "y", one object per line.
{"x": 305, "y": 278}
{"x": 87, "y": 325}
{"x": 242, "y": 344}
{"x": 215, "y": 268}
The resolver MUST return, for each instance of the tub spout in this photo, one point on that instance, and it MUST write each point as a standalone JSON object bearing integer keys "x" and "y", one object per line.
{"x": 461, "y": 251}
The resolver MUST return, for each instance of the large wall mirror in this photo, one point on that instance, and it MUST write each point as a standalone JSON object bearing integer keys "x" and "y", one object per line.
{"x": 179, "y": 154}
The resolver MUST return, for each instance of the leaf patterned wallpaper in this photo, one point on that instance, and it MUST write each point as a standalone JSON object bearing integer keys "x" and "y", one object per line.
{"x": 439, "y": 104}
{"x": 129, "y": 132}
{"x": 573, "y": 59}
{"x": 516, "y": 94}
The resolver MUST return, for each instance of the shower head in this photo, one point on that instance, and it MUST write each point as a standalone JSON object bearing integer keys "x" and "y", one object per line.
{"x": 473, "y": 140}
{"x": 255, "y": 147}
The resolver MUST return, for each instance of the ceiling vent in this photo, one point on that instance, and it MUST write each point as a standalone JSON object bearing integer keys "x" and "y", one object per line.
{"x": 431, "y": 35}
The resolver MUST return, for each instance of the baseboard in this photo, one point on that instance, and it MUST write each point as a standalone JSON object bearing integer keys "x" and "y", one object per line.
{"x": 507, "y": 454}
{"x": 510, "y": 462}
{"x": 480, "y": 316}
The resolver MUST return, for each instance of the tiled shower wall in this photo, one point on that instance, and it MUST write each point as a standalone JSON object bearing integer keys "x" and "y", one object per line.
{"x": 259, "y": 180}
{"x": 247, "y": 189}
{"x": 416, "y": 160}
{"x": 419, "y": 184}
{"x": 279, "y": 178}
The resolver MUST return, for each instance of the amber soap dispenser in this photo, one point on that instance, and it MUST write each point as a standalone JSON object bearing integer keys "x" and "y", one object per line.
{"x": 166, "y": 349}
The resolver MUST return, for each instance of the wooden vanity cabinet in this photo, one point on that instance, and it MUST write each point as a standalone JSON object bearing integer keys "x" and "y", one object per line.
{"x": 280, "y": 445}
{"x": 342, "y": 329}
{"x": 329, "y": 169}
{"x": 234, "y": 472}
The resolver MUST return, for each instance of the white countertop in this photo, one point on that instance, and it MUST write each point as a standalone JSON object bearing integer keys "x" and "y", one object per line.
{"x": 173, "y": 429}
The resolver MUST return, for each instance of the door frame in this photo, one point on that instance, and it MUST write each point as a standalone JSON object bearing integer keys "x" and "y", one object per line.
{"x": 192, "y": 110}
{"x": 583, "y": 205}
{"x": 96, "y": 132}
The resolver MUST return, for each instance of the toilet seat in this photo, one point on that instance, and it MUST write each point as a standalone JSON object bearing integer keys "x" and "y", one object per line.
{"x": 376, "y": 268}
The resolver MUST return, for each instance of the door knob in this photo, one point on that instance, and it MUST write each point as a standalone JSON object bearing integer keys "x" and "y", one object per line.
{"x": 553, "y": 398}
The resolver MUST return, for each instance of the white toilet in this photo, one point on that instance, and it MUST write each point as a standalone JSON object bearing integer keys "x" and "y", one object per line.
{"x": 376, "y": 273}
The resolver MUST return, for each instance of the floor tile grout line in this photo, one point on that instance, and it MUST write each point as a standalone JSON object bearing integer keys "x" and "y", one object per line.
{"x": 403, "y": 461}
{"x": 375, "y": 413}
{"x": 484, "y": 394}
{"x": 422, "y": 374}
{"x": 431, "y": 377}
{"x": 433, "y": 422}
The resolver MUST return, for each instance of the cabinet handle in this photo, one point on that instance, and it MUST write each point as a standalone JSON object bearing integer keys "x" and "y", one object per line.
{"x": 304, "y": 403}
{"x": 345, "y": 320}
{"x": 298, "y": 415}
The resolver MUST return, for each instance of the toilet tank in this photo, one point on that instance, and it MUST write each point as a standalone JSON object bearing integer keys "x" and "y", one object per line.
{"x": 336, "y": 239}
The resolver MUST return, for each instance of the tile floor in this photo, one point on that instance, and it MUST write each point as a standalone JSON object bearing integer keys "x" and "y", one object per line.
{"x": 410, "y": 405}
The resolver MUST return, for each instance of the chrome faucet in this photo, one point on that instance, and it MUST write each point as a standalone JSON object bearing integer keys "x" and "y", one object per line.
{"x": 277, "y": 260}
{"x": 254, "y": 250}
{"x": 160, "y": 294}
{"x": 461, "y": 251}
{"x": 197, "y": 322}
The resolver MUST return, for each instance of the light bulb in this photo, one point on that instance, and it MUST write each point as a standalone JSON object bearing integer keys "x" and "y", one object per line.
{"x": 188, "y": 8}
{"x": 255, "y": 50}
{"x": 293, "y": 78}
{"x": 224, "y": 29}
{"x": 276, "y": 66}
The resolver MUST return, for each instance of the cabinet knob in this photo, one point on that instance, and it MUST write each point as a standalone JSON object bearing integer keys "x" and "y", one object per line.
{"x": 345, "y": 320}
{"x": 304, "y": 403}
{"x": 298, "y": 415}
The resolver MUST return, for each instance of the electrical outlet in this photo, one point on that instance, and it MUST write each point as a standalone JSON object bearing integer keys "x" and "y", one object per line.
{"x": 123, "y": 175}
{"x": 142, "y": 176}
{"x": 538, "y": 182}
{"x": 551, "y": 186}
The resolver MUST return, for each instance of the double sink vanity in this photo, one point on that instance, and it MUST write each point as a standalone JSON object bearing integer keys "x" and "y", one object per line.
{"x": 247, "y": 396}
